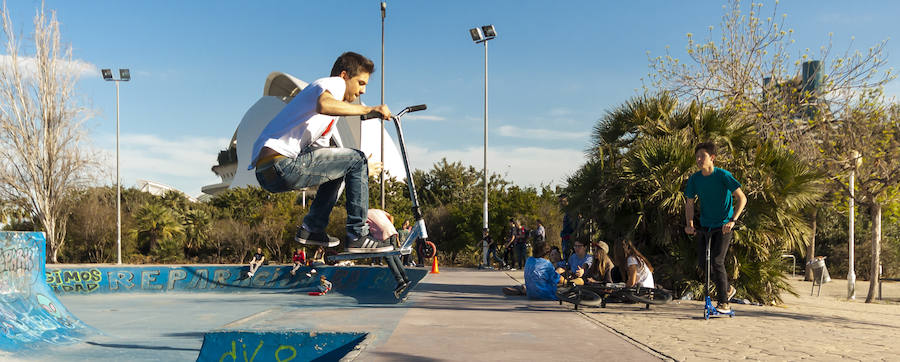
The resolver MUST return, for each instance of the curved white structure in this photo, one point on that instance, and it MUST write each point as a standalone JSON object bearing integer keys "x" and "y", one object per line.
{"x": 280, "y": 89}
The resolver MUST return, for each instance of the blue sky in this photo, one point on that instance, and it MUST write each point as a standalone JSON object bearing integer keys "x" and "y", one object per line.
{"x": 555, "y": 68}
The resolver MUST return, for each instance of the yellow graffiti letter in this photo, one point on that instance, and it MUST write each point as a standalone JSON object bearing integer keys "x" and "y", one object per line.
{"x": 278, "y": 351}
{"x": 233, "y": 353}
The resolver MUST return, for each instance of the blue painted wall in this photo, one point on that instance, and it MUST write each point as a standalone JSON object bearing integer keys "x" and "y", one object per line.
{"x": 30, "y": 314}
{"x": 293, "y": 346}
{"x": 366, "y": 284}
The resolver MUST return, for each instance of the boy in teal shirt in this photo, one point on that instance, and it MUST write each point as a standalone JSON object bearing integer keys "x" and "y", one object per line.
{"x": 715, "y": 189}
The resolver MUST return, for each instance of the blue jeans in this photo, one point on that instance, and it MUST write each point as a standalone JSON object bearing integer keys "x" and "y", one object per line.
{"x": 326, "y": 168}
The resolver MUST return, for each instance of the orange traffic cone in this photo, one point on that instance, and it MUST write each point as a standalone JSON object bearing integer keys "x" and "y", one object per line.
{"x": 434, "y": 266}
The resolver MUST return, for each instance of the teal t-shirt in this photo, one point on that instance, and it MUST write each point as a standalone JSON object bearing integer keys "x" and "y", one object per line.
{"x": 716, "y": 204}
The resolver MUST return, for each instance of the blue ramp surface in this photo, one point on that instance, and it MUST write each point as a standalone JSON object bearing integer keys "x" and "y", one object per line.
{"x": 30, "y": 315}
{"x": 277, "y": 345}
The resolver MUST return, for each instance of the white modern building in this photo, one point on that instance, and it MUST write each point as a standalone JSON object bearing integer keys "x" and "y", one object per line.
{"x": 280, "y": 88}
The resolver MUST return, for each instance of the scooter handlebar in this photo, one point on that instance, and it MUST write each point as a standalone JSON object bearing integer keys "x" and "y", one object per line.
{"x": 417, "y": 108}
{"x": 370, "y": 115}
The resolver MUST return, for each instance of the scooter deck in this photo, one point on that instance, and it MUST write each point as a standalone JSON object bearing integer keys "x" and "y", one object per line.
{"x": 354, "y": 256}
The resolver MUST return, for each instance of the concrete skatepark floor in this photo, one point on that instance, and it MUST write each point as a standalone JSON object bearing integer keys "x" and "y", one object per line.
{"x": 459, "y": 314}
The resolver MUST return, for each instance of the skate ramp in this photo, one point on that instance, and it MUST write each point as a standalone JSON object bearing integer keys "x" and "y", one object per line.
{"x": 277, "y": 345}
{"x": 30, "y": 315}
{"x": 364, "y": 284}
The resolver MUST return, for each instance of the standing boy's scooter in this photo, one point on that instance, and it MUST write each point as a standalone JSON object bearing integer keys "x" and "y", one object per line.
{"x": 709, "y": 309}
{"x": 418, "y": 233}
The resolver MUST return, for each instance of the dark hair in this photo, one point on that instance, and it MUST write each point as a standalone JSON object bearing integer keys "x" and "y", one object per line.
{"x": 353, "y": 64}
{"x": 539, "y": 250}
{"x": 707, "y": 146}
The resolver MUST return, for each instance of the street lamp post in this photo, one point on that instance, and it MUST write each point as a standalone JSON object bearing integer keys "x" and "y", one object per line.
{"x": 855, "y": 161}
{"x": 124, "y": 76}
{"x": 482, "y": 35}
{"x": 383, "y": 13}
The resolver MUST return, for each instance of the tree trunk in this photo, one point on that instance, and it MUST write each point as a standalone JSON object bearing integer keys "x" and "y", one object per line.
{"x": 811, "y": 247}
{"x": 876, "y": 251}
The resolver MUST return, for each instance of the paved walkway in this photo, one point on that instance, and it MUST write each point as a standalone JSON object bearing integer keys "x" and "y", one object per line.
{"x": 826, "y": 327}
{"x": 461, "y": 315}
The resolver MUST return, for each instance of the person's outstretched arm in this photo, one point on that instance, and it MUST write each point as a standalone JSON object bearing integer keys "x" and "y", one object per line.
{"x": 327, "y": 104}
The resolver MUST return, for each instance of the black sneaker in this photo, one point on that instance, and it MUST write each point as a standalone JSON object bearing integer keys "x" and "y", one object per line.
{"x": 307, "y": 237}
{"x": 368, "y": 244}
{"x": 401, "y": 289}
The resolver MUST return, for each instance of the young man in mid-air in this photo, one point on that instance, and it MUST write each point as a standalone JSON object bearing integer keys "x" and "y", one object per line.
{"x": 715, "y": 189}
{"x": 295, "y": 150}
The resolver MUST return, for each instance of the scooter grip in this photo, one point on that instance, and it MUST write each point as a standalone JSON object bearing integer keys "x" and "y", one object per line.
{"x": 420, "y": 107}
{"x": 370, "y": 115}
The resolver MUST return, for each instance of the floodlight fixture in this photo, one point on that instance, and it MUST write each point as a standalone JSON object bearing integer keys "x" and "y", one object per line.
{"x": 476, "y": 34}
{"x": 489, "y": 32}
{"x": 124, "y": 75}
{"x": 107, "y": 74}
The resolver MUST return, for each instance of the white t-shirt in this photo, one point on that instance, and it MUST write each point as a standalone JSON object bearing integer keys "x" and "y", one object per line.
{"x": 644, "y": 276}
{"x": 298, "y": 125}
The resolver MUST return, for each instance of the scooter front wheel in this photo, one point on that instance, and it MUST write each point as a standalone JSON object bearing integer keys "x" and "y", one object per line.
{"x": 429, "y": 250}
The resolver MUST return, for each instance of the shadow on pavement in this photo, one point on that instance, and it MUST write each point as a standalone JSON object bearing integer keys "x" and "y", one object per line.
{"x": 137, "y": 346}
{"x": 395, "y": 356}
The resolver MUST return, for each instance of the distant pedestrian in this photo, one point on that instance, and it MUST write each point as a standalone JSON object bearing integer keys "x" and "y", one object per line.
{"x": 568, "y": 227}
{"x": 403, "y": 235}
{"x": 540, "y": 234}
{"x": 299, "y": 259}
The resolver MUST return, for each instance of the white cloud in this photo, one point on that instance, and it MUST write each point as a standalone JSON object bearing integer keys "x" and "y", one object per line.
{"x": 28, "y": 66}
{"x": 541, "y": 134}
{"x": 524, "y": 166}
{"x": 183, "y": 163}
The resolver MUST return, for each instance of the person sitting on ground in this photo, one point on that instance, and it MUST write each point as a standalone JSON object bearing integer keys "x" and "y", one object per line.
{"x": 580, "y": 261}
{"x": 299, "y": 259}
{"x": 318, "y": 257}
{"x": 300, "y": 148}
{"x": 256, "y": 262}
{"x": 602, "y": 267}
{"x": 640, "y": 272}
{"x": 324, "y": 285}
{"x": 541, "y": 279}
{"x": 555, "y": 257}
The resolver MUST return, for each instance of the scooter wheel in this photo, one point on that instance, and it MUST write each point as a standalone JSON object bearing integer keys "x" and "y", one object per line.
{"x": 428, "y": 250}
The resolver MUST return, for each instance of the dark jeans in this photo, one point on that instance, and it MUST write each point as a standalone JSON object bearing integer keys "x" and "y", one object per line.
{"x": 567, "y": 245}
{"x": 519, "y": 251}
{"x": 494, "y": 255}
{"x": 717, "y": 249}
{"x": 327, "y": 168}
{"x": 420, "y": 257}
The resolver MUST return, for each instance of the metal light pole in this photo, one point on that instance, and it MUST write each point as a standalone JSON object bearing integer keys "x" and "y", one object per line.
{"x": 383, "y": 11}
{"x": 482, "y": 35}
{"x": 124, "y": 76}
{"x": 855, "y": 161}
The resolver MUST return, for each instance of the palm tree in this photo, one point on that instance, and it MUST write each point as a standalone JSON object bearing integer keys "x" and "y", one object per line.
{"x": 632, "y": 184}
{"x": 197, "y": 224}
{"x": 154, "y": 223}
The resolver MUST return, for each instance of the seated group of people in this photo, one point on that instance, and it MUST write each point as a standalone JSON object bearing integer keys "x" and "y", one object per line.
{"x": 547, "y": 269}
{"x": 299, "y": 259}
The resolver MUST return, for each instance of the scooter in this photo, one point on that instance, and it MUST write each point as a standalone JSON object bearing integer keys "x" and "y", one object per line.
{"x": 418, "y": 233}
